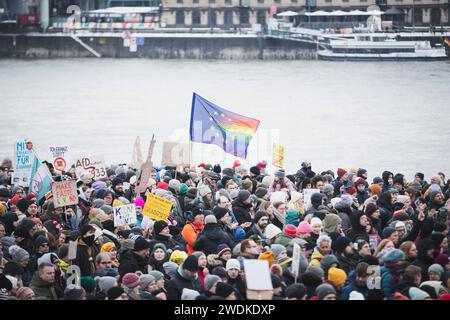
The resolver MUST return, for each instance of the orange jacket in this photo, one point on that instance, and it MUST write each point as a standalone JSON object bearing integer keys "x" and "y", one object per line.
{"x": 190, "y": 233}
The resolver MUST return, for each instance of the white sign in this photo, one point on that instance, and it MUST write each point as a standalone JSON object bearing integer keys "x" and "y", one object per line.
{"x": 93, "y": 166}
{"x": 124, "y": 215}
{"x": 257, "y": 275}
{"x": 59, "y": 157}
{"x": 22, "y": 163}
{"x": 133, "y": 45}
{"x": 296, "y": 259}
{"x": 307, "y": 193}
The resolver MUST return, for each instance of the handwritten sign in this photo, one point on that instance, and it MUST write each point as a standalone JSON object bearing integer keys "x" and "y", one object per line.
{"x": 296, "y": 260}
{"x": 23, "y": 162}
{"x": 257, "y": 277}
{"x": 124, "y": 215}
{"x": 65, "y": 193}
{"x": 93, "y": 166}
{"x": 59, "y": 157}
{"x": 157, "y": 208}
{"x": 176, "y": 154}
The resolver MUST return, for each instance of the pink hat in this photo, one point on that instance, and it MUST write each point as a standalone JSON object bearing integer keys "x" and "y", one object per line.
{"x": 139, "y": 202}
{"x": 290, "y": 230}
{"x": 236, "y": 163}
{"x": 131, "y": 280}
{"x": 304, "y": 227}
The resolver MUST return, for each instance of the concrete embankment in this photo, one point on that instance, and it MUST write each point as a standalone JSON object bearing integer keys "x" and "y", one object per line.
{"x": 154, "y": 46}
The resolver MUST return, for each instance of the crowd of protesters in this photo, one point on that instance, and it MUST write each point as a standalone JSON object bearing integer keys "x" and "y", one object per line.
{"x": 360, "y": 239}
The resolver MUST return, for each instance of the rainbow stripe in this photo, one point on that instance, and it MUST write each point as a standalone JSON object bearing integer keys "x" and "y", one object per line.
{"x": 212, "y": 124}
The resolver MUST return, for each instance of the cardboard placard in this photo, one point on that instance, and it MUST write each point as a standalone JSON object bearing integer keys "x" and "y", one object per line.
{"x": 72, "y": 255}
{"x": 124, "y": 215}
{"x": 259, "y": 282}
{"x": 157, "y": 208}
{"x": 59, "y": 157}
{"x": 296, "y": 260}
{"x": 176, "y": 154}
{"x": 65, "y": 193}
{"x": 22, "y": 163}
{"x": 278, "y": 155}
{"x": 91, "y": 165}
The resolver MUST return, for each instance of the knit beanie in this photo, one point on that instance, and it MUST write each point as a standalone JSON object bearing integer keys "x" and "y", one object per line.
{"x": 131, "y": 280}
{"x": 337, "y": 276}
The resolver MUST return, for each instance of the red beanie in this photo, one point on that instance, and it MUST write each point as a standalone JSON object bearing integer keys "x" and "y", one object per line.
{"x": 445, "y": 296}
{"x": 351, "y": 190}
{"x": 202, "y": 165}
{"x": 261, "y": 165}
{"x": 290, "y": 230}
{"x": 162, "y": 185}
{"x": 236, "y": 164}
{"x": 131, "y": 280}
{"x": 341, "y": 172}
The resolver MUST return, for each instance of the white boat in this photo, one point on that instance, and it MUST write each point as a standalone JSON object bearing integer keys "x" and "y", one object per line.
{"x": 375, "y": 47}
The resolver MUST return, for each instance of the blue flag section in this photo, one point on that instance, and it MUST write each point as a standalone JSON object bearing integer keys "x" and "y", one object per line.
{"x": 212, "y": 124}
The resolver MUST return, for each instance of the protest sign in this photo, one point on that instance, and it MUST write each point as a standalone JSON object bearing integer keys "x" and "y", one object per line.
{"x": 157, "y": 208}
{"x": 65, "y": 193}
{"x": 59, "y": 157}
{"x": 307, "y": 193}
{"x": 296, "y": 260}
{"x": 22, "y": 163}
{"x": 93, "y": 166}
{"x": 176, "y": 154}
{"x": 146, "y": 169}
{"x": 259, "y": 282}
{"x": 278, "y": 155}
{"x": 125, "y": 215}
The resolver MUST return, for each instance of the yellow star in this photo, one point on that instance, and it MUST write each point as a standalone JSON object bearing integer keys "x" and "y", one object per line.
{"x": 216, "y": 113}
{"x": 222, "y": 115}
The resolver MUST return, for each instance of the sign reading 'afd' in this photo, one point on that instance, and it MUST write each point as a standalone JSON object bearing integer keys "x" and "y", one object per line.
{"x": 91, "y": 166}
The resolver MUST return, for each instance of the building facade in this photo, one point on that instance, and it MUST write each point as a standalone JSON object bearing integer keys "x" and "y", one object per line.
{"x": 244, "y": 13}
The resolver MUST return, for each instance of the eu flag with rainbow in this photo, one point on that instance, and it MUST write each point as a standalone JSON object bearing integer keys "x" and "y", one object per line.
{"x": 212, "y": 124}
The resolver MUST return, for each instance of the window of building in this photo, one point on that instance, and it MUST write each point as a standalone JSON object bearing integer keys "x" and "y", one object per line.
{"x": 260, "y": 1}
{"x": 261, "y": 17}
{"x": 212, "y": 19}
{"x": 227, "y": 1}
{"x": 245, "y": 17}
{"x": 212, "y": 1}
{"x": 179, "y": 17}
{"x": 196, "y": 17}
{"x": 228, "y": 17}
{"x": 179, "y": 1}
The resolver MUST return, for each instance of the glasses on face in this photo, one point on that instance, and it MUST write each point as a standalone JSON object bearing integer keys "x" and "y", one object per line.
{"x": 44, "y": 245}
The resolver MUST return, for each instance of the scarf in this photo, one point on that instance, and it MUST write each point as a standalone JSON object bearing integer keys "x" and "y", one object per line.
{"x": 279, "y": 216}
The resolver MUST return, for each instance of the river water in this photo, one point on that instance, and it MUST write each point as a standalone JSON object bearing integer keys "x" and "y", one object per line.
{"x": 377, "y": 116}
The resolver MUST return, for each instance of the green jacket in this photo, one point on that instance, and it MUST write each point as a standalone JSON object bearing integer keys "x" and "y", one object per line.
{"x": 43, "y": 288}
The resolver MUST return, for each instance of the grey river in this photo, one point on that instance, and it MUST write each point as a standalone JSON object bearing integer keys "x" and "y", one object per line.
{"x": 377, "y": 116}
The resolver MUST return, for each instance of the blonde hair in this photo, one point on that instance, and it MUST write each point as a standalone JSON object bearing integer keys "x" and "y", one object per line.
{"x": 381, "y": 246}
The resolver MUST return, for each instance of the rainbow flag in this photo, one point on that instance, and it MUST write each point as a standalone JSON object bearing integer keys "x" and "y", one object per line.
{"x": 447, "y": 41}
{"x": 212, "y": 124}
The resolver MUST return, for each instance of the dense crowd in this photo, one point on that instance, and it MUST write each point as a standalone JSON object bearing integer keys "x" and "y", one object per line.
{"x": 360, "y": 239}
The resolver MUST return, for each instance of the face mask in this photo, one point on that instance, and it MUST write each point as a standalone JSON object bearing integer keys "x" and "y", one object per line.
{"x": 89, "y": 240}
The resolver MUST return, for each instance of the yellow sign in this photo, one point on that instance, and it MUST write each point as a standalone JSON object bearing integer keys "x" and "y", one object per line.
{"x": 157, "y": 208}
{"x": 278, "y": 155}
